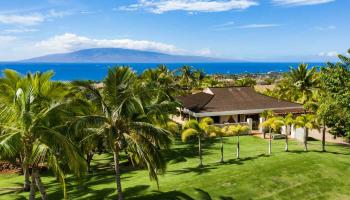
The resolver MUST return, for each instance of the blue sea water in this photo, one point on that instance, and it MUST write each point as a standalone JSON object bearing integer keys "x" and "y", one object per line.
{"x": 97, "y": 71}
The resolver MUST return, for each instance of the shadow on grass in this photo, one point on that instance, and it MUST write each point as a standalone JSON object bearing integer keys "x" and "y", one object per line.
{"x": 241, "y": 161}
{"x": 177, "y": 195}
{"x": 317, "y": 151}
{"x": 189, "y": 150}
{"x": 198, "y": 170}
{"x": 171, "y": 195}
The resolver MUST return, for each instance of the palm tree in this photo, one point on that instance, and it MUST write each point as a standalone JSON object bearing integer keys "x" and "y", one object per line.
{"x": 298, "y": 84}
{"x": 307, "y": 122}
{"x": 33, "y": 112}
{"x": 186, "y": 76}
{"x": 161, "y": 80}
{"x": 198, "y": 129}
{"x": 198, "y": 77}
{"x": 237, "y": 130}
{"x": 125, "y": 123}
{"x": 267, "y": 114}
{"x": 217, "y": 132}
{"x": 287, "y": 122}
{"x": 273, "y": 124}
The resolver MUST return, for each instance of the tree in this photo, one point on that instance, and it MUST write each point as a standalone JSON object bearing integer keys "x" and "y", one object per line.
{"x": 298, "y": 84}
{"x": 273, "y": 124}
{"x": 186, "y": 77}
{"x": 198, "y": 129}
{"x": 335, "y": 98}
{"x": 237, "y": 130}
{"x": 33, "y": 110}
{"x": 198, "y": 78}
{"x": 287, "y": 122}
{"x": 162, "y": 81}
{"x": 307, "y": 122}
{"x": 126, "y": 124}
{"x": 217, "y": 132}
{"x": 267, "y": 114}
{"x": 245, "y": 82}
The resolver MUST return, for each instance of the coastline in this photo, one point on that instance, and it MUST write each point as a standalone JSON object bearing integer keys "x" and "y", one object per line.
{"x": 96, "y": 71}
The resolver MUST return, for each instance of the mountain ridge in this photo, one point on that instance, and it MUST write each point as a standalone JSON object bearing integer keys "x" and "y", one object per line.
{"x": 121, "y": 55}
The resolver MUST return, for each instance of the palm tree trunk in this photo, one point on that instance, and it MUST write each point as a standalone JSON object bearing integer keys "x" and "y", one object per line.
{"x": 324, "y": 137}
{"x": 222, "y": 150}
{"x": 89, "y": 157}
{"x": 25, "y": 165}
{"x": 238, "y": 148}
{"x": 286, "y": 147}
{"x": 26, "y": 184}
{"x": 306, "y": 133}
{"x": 200, "y": 151}
{"x": 270, "y": 141}
{"x": 117, "y": 172}
{"x": 39, "y": 184}
{"x": 32, "y": 188}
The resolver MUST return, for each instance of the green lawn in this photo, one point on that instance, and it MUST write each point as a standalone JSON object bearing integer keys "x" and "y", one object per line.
{"x": 292, "y": 175}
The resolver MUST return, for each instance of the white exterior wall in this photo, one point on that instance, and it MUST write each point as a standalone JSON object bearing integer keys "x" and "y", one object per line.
{"x": 297, "y": 133}
{"x": 261, "y": 120}
{"x": 250, "y": 124}
{"x": 284, "y": 130}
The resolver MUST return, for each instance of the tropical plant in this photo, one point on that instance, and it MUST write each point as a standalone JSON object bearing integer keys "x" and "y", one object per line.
{"x": 287, "y": 121}
{"x": 298, "y": 84}
{"x": 335, "y": 97}
{"x": 186, "y": 77}
{"x": 266, "y": 114}
{"x": 215, "y": 131}
{"x": 126, "y": 123}
{"x": 161, "y": 81}
{"x": 245, "y": 82}
{"x": 307, "y": 121}
{"x": 236, "y": 130}
{"x": 33, "y": 111}
{"x": 198, "y": 129}
{"x": 273, "y": 124}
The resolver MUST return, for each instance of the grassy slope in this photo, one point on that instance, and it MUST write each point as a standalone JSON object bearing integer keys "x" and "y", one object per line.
{"x": 293, "y": 175}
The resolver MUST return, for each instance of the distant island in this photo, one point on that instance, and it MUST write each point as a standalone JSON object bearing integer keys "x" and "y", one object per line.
{"x": 119, "y": 55}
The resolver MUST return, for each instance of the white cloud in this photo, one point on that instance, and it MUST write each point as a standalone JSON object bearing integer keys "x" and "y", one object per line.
{"x": 225, "y": 26}
{"x": 20, "y": 30}
{"x": 259, "y": 26}
{"x": 58, "y": 14}
{"x": 324, "y": 28}
{"x": 25, "y": 20}
{"x": 328, "y": 54}
{"x": 300, "y": 2}
{"x": 32, "y": 18}
{"x": 162, "y": 6}
{"x": 5, "y": 39}
{"x": 204, "y": 52}
{"x": 71, "y": 42}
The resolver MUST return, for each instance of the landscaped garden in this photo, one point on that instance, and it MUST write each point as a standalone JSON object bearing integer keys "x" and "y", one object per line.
{"x": 283, "y": 175}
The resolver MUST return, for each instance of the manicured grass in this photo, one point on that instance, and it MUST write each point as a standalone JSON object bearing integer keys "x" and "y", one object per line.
{"x": 292, "y": 175}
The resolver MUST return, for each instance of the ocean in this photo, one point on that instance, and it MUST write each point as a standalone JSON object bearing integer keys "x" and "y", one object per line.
{"x": 97, "y": 71}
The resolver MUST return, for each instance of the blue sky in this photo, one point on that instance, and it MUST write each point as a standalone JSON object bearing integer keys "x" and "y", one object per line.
{"x": 253, "y": 30}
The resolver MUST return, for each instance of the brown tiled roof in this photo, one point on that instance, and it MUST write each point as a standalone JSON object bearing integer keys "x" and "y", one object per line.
{"x": 195, "y": 102}
{"x": 234, "y": 98}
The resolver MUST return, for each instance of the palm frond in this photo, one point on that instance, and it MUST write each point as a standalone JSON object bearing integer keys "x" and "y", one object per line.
{"x": 188, "y": 133}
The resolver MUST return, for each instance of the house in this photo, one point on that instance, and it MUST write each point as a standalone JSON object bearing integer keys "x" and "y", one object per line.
{"x": 234, "y": 105}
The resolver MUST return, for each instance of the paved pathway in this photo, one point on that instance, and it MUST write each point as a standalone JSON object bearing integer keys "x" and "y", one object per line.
{"x": 329, "y": 137}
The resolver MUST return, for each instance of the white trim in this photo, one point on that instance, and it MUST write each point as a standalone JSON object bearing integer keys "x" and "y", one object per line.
{"x": 234, "y": 112}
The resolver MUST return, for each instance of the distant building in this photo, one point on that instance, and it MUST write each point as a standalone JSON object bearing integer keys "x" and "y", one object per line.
{"x": 234, "y": 105}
